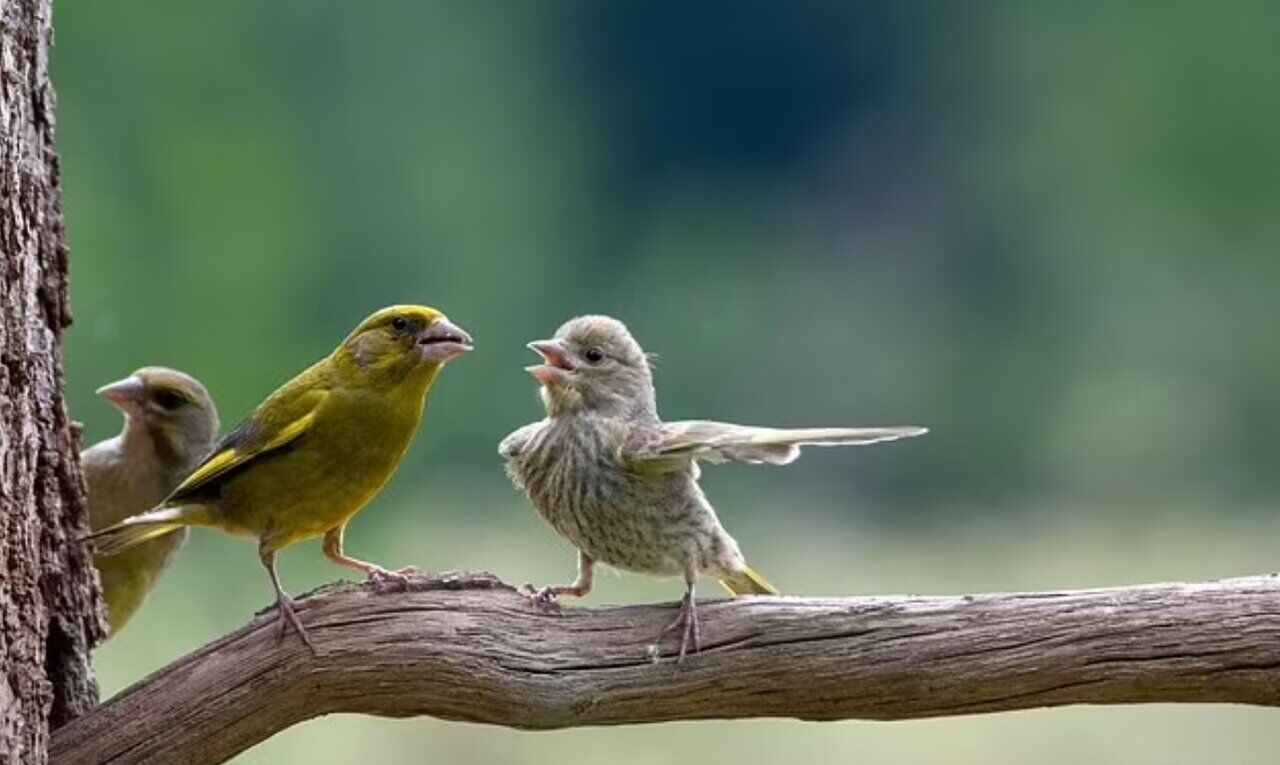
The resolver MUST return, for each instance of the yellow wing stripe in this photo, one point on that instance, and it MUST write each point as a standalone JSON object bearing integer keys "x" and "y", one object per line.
{"x": 213, "y": 467}
{"x": 227, "y": 459}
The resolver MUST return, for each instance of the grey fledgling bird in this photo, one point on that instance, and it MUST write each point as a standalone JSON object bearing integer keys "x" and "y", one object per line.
{"x": 170, "y": 424}
{"x": 622, "y": 485}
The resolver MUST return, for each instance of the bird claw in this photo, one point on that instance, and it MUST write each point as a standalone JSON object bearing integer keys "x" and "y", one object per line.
{"x": 545, "y": 598}
{"x": 687, "y": 622}
{"x": 397, "y": 579}
{"x": 288, "y": 619}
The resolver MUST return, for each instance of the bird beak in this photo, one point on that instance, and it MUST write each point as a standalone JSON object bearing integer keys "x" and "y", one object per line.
{"x": 128, "y": 394}
{"x": 442, "y": 341}
{"x": 557, "y": 368}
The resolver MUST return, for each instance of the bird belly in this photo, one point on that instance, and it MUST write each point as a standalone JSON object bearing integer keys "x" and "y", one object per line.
{"x": 127, "y": 577}
{"x": 281, "y": 500}
{"x": 620, "y": 537}
{"x": 644, "y": 524}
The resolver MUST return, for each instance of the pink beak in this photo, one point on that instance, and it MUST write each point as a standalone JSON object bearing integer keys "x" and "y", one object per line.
{"x": 443, "y": 341}
{"x": 557, "y": 366}
{"x": 126, "y": 394}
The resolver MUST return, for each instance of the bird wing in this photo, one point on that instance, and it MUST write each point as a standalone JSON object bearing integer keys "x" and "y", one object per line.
{"x": 513, "y": 445}
{"x": 672, "y": 443}
{"x": 283, "y": 418}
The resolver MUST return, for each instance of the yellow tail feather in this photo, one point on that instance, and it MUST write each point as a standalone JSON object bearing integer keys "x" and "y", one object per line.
{"x": 748, "y": 582}
{"x": 120, "y": 537}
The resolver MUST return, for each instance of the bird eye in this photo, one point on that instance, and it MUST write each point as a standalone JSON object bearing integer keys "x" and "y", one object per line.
{"x": 399, "y": 323}
{"x": 594, "y": 355}
{"x": 167, "y": 399}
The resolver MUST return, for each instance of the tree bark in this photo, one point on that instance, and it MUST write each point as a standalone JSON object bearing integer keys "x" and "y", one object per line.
{"x": 49, "y": 610}
{"x": 467, "y": 647}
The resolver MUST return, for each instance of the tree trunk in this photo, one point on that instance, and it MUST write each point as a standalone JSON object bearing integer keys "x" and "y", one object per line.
{"x": 49, "y": 608}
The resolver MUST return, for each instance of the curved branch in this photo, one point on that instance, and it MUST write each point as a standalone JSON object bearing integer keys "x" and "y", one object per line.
{"x": 467, "y": 647}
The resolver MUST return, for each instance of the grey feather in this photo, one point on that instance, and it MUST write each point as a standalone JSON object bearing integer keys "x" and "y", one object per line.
{"x": 719, "y": 442}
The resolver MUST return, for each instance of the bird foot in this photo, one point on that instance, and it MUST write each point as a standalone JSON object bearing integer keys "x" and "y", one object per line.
{"x": 687, "y": 622}
{"x": 546, "y": 598}
{"x": 386, "y": 579}
{"x": 288, "y": 618}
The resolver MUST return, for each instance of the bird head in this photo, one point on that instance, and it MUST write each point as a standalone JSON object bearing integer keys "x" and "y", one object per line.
{"x": 400, "y": 342}
{"x": 594, "y": 364}
{"x": 170, "y": 408}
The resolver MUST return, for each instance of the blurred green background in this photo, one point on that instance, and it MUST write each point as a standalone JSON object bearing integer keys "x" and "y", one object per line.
{"x": 1049, "y": 231}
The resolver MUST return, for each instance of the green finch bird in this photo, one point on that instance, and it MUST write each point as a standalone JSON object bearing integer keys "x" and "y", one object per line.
{"x": 316, "y": 451}
{"x": 170, "y": 424}
{"x": 622, "y": 485}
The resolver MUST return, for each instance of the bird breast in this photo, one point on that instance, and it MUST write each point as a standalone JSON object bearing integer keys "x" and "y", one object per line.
{"x": 571, "y": 472}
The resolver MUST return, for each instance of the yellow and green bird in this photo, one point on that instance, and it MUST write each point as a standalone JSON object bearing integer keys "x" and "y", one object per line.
{"x": 316, "y": 451}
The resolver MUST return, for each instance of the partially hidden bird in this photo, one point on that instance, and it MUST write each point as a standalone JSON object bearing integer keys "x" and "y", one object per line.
{"x": 316, "y": 451}
{"x": 606, "y": 473}
{"x": 170, "y": 425}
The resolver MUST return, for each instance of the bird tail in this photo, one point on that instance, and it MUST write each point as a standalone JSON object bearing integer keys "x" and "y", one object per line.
{"x": 747, "y": 582}
{"x": 136, "y": 530}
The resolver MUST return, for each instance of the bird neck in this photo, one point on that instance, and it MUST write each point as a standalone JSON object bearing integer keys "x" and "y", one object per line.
{"x": 416, "y": 385}
{"x": 143, "y": 444}
{"x": 136, "y": 438}
{"x": 569, "y": 403}
{"x": 386, "y": 375}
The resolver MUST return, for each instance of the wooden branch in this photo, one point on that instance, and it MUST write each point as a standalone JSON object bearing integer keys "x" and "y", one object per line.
{"x": 467, "y": 647}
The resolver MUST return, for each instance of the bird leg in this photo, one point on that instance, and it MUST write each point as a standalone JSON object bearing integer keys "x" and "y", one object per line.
{"x": 688, "y": 621}
{"x": 284, "y": 604}
{"x": 580, "y": 587}
{"x": 377, "y": 574}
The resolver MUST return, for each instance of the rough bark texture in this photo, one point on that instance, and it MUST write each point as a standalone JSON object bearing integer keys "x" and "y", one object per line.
{"x": 48, "y": 602}
{"x": 467, "y": 647}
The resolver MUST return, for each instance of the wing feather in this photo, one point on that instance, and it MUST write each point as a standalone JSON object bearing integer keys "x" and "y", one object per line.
{"x": 283, "y": 418}
{"x": 674, "y": 442}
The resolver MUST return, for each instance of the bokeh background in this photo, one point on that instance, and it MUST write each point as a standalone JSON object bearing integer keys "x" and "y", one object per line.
{"x": 1049, "y": 231}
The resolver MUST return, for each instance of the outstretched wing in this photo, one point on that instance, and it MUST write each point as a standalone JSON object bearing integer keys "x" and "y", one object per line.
{"x": 671, "y": 443}
{"x": 282, "y": 419}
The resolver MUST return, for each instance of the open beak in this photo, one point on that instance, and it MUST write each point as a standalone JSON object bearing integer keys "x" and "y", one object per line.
{"x": 128, "y": 394}
{"x": 443, "y": 341}
{"x": 556, "y": 367}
